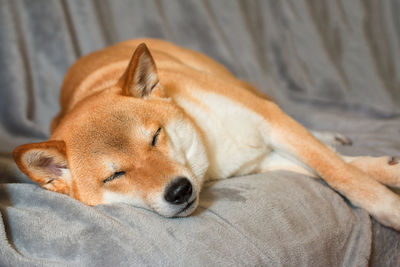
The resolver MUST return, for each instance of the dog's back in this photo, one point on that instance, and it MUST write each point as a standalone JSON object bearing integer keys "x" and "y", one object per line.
{"x": 98, "y": 70}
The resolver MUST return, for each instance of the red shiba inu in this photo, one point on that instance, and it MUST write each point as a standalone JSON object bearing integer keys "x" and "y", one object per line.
{"x": 148, "y": 131}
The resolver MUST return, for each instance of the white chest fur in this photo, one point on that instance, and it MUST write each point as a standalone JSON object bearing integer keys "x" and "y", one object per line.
{"x": 234, "y": 136}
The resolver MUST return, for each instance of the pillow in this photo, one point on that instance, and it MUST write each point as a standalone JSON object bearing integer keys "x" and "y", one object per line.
{"x": 279, "y": 218}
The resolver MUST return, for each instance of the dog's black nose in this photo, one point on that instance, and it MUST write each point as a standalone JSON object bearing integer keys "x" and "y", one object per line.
{"x": 179, "y": 191}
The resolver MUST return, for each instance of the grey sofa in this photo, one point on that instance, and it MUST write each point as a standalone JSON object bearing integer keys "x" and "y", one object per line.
{"x": 333, "y": 65}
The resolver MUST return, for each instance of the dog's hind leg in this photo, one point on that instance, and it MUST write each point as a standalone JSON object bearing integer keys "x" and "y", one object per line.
{"x": 292, "y": 140}
{"x": 383, "y": 169}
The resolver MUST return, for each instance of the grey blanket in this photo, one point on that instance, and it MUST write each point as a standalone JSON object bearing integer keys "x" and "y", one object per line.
{"x": 333, "y": 65}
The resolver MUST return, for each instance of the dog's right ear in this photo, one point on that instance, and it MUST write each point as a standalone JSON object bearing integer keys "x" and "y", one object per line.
{"x": 46, "y": 164}
{"x": 140, "y": 78}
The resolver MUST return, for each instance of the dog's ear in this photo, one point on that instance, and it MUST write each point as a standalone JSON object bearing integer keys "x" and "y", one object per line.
{"x": 140, "y": 78}
{"x": 46, "y": 164}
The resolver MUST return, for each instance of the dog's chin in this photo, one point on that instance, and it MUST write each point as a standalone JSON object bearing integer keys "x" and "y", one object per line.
{"x": 188, "y": 209}
{"x": 183, "y": 210}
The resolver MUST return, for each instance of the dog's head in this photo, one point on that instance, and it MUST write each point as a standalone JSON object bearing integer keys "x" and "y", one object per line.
{"x": 128, "y": 144}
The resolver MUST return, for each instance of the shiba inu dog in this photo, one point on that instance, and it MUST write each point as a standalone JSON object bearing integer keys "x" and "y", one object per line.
{"x": 148, "y": 129}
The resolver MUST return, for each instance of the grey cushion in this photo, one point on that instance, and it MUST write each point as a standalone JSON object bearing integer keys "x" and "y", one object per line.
{"x": 279, "y": 219}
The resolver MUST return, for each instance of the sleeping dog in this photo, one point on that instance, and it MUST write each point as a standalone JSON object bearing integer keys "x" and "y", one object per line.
{"x": 150, "y": 128}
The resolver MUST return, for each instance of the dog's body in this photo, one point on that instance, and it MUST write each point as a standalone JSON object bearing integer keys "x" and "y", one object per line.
{"x": 149, "y": 134}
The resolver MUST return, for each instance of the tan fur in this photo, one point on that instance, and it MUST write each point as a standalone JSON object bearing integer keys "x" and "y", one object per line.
{"x": 110, "y": 112}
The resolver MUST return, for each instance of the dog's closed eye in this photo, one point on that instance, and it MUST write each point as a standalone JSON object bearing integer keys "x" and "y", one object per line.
{"x": 154, "y": 141}
{"x": 114, "y": 176}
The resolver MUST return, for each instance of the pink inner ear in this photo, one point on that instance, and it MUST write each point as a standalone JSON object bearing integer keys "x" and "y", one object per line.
{"x": 48, "y": 163}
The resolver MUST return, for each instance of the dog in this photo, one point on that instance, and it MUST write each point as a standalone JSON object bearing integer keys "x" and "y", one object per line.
{"x": 150, "y": 128}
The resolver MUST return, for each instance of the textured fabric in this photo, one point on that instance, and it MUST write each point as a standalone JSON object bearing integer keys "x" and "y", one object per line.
{"x": 333, "y": 65}
{"x": 278, "y": 220}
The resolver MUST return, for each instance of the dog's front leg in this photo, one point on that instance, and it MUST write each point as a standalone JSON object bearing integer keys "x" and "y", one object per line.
{"x": 292, "y": 140}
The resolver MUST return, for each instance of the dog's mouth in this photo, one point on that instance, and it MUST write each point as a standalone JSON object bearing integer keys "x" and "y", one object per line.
{"x": 183, "y": 212}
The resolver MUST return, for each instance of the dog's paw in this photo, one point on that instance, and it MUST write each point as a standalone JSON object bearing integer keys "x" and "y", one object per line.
{"x": 332, "y": 138}
{"x": 342, "y": 140}
{"x": 384, "y": 169}
{"x": 393, "y": 161}
{"x": 391, "y": 216}
{"x": 393, "y": 169}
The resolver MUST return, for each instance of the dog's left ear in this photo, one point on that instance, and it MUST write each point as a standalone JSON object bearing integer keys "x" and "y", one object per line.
{"x": 45, "y": 163}
{"x": 140, "y": 78}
